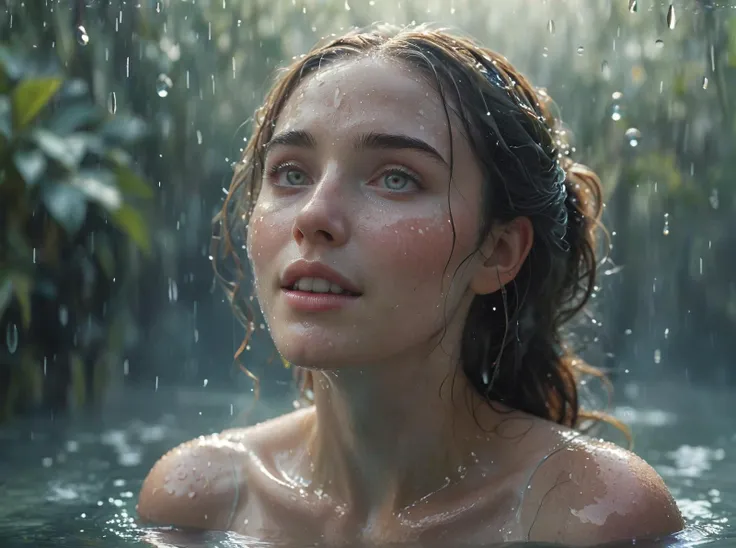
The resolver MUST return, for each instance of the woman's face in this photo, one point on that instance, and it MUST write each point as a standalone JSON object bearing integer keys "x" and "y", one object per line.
{"x": 357, "y": 178}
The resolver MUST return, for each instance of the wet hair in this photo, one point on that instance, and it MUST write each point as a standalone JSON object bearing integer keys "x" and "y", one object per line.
{"x": 513, "y": 348}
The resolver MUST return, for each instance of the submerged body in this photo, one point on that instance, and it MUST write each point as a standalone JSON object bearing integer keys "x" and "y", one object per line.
{"x": 531, "y": 480}
{"x": 432, "y": 419}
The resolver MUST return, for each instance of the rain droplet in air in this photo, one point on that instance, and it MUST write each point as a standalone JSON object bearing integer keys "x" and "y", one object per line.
{"x": 63, "y": 315}
{"x": 173, "y": 291}
{"x": 581, "y": 50}
{"x": 112, "y": 103}
{"x": 659, "y": 44}
{"x": 705, "y": 82}
{"x": 11, "y": 337}
{"x": 82, "y": 36}
{"x": 163, "y": 85}
{"x": 671, "y": 17}
{"x": 633, "y": 136}
{"x": 713, "y": 199}
{"x": 633, "y": 6}
{"x": 617, "y": 110}
{"x": 347, "y": 6}
{"x": 666, "y": 229}
{"x": 605, "y": 70}
{"x": 551, "y": 26}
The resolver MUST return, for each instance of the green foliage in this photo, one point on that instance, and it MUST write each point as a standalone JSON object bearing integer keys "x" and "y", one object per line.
{"x": 70, "y": 200}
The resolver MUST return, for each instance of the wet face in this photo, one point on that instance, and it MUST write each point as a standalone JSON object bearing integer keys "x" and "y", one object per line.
{"x": 357, "y": 179}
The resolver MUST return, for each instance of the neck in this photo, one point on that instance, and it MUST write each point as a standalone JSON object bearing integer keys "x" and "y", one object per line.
{"x": 388, "y": 435}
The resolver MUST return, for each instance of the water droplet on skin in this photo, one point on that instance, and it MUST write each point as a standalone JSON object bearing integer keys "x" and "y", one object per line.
{"x": 163, "y": 85}
{"x": 181, "y": 475}
{"x": 81, "y": 35}
{"x": 337, "y": 98}
{"x": 671, "y": 17}
{"x": 192, "y": 494}
{"x": 633, "y": 136}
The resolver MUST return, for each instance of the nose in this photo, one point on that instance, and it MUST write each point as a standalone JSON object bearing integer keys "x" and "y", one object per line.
{"x": 323, "y": 220}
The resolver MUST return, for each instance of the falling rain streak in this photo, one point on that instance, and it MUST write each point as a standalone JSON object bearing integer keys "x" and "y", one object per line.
{"x": 11, "y": 337}
{"x": 671, "y": 17}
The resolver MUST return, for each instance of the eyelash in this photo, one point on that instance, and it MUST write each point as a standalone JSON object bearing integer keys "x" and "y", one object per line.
{"x": 280, "y": 168}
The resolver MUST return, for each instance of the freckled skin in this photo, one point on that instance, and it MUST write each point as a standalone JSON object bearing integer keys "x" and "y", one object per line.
{"x": 390, "y": 452}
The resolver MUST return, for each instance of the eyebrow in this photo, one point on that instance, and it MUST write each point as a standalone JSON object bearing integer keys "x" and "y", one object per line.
{"x": 372, "y": 140}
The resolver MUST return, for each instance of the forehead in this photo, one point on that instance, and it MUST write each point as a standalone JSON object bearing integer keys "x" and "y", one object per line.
{"x": 367, "y": 95}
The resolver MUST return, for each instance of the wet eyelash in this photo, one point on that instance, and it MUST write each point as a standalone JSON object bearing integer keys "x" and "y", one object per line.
{"x": 278, "y": 168}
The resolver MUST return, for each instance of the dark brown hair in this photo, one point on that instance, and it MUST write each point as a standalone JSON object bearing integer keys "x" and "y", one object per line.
{"x": 513, "y": 347}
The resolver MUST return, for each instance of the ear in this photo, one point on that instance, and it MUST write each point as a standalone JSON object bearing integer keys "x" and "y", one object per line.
{"x": 501, "y": 257}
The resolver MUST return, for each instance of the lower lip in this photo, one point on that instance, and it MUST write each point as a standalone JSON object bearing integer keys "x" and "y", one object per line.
{"x": 316, "y": 302}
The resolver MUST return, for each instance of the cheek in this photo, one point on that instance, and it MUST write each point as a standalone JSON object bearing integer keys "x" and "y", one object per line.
{"x": 417, "y": 249}
{"x": 264, "y": 240}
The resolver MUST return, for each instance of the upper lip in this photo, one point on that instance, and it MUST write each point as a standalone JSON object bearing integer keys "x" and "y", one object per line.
{"x": 313, "y": 269}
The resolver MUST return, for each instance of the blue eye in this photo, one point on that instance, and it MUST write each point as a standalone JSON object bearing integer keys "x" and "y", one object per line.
{"x": 398, "y": 179}
{"x": 294, "y": 176}
{"x": 287, "y": 175}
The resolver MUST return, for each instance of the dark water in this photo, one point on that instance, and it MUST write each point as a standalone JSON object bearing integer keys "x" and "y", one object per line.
{"x": 73, "y": 482}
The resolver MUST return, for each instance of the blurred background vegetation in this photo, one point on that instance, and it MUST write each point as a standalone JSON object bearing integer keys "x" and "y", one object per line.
{"x": 120, "y": 121}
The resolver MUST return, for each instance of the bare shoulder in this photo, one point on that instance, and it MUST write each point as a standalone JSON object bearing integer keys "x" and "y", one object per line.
{"x": 203, "y": 482}
{"x": 196, "y": 484}
{"x": 592, "y": 492}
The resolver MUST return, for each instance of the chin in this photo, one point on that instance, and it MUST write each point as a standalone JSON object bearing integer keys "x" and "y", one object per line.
{"x": 317, "y": 352}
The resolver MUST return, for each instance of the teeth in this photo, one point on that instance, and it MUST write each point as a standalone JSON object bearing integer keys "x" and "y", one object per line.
{"x": 317, "y": 285}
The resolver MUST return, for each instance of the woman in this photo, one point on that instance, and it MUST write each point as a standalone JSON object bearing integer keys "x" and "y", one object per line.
{"x": 418, "y": 236}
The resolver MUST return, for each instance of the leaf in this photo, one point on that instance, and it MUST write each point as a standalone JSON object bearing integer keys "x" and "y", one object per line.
{"x": 5, "y": 117}
{"x": 31, "y": 165}
{"x": 73, "y": 118}
{"x": 130, "y": 183}
{"x": 22, "y": 286}
{"x": 99, "y": 186}
{"x": 11, "y": 65}
{"x": 54, "y": 147}
{"x": 66, "y": 204}
{"x": 68, "y": 151}
{"x": 6, "y": 295}
{"x": 30, "y": 96}
{"x": 133, "y": 225}
{"x": 124, "y": 130}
